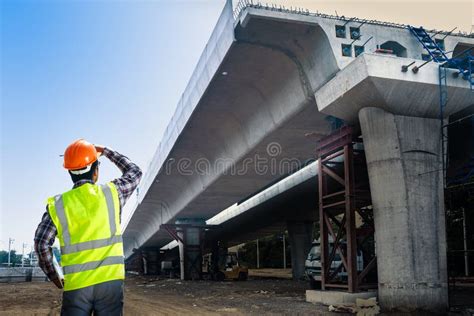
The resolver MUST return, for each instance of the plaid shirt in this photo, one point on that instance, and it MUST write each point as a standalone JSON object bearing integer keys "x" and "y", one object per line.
{"x": 46, "y": 231}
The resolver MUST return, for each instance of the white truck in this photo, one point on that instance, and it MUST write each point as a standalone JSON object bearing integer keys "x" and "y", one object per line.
{"x": 313, "y": 263}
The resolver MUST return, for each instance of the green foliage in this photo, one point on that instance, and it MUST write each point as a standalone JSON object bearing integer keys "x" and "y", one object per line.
{"x": 15, "y": 259}
{"x": 271, "y": 252}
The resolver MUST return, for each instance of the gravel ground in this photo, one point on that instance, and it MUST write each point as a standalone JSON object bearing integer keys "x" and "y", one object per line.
{"x": 252, "y": 297}
{"x": 156, "y": 296}
{"x": 152, "y": 296}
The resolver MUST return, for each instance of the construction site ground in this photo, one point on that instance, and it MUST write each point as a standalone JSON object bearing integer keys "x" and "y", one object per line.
{"x": 159, "y": 296}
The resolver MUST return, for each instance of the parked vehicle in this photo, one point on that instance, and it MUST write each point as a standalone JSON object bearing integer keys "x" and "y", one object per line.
{"x": 313, "y": 264}
{"x": 229, "y": 268}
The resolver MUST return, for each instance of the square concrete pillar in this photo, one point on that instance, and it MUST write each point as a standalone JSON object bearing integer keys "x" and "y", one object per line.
{"x": 300, "y": 235}
{"x": 406, "y": 180}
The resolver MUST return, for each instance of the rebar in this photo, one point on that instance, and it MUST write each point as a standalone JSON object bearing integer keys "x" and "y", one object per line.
{"x": 243, "y": 4}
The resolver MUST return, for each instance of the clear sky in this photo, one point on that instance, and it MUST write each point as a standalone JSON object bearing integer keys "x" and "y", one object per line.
{"x": 112, "y": 72}
{"x": 438, "y": 14}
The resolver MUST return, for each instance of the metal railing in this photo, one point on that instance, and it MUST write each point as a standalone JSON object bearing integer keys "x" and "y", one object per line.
{"x": 244, "y": 4}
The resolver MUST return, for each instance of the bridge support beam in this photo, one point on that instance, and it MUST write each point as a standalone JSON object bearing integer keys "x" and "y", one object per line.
{"x": 151, "y": 261}
{"x": 190, "y": 254}
{"x": 189, "y": 233}
{"x": 406, "y": 181}
{"x": 300, "y": 234}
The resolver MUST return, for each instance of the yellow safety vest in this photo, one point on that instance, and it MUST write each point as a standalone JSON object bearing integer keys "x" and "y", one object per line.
{"x": 88, "y": 222}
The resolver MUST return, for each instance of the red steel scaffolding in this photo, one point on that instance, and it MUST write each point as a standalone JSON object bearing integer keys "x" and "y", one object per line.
{"x": 343, "y": 193}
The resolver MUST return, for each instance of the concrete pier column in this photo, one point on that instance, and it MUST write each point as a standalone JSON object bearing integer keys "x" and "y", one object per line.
{"x": 300, "y": 235}
{"x": 152, "y": 262}
{"x": 190, "y": 252}
{"x": 404, "y": 163}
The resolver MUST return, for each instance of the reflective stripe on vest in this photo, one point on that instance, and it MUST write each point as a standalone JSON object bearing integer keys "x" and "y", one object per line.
{"x": 93, "y": 265}
{"x": 87, "y": 245}
{"x": 91, "y": 244}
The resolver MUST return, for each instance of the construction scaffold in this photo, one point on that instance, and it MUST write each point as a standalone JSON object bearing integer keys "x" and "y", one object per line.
{"x": 345, "y": 213}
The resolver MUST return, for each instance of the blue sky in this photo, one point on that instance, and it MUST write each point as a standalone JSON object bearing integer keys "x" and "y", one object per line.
{"x": 110, "y": 72}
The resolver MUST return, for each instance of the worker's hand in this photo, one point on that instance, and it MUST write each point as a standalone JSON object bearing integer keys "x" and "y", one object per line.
{"x": 59, "y": 283}
{"x": 99, "y": 149}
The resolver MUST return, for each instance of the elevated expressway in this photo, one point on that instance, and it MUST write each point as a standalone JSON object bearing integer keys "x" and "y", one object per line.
{"x": 265, "y": 89}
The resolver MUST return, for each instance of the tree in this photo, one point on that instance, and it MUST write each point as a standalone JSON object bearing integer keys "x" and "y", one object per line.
{"x": 3, "y": 256}
{"x": 15, "y": 259}
{"x": 270, "y": 251}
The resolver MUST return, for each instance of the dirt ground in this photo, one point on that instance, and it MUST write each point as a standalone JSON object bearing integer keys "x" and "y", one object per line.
{"x": 152, "y": 296}
{"x": 155, "y": 296}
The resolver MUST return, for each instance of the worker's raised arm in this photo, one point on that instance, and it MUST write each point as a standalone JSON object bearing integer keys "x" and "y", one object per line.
{"x": 131, "y": 173}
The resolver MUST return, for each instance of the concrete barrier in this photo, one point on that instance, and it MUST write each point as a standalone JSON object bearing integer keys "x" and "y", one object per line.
{"x": 21, "y": 274}
{"x": 336, "y": 297}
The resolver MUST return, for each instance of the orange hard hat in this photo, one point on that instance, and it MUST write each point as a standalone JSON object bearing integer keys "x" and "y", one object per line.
{"x": 79, "y": 155}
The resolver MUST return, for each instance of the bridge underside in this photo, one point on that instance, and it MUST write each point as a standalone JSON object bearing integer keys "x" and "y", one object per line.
{"x": 273, "y": 95}
{"x": 260, "y": 117}
{"x": 271, "y": 216}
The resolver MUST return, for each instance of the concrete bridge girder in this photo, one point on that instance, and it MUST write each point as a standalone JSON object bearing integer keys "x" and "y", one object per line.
{"x": 279, "y": 86}
{"x": 377, "y": 80}
{"x": 269, "y": 102}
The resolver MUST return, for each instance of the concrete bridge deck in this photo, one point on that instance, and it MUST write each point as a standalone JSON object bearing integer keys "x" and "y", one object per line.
{"x": 267, "y": 86}
{"x": 244, "y": 118}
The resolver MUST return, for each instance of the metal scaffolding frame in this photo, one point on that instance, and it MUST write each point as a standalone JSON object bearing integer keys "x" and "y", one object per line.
{"x": 341, "y": 197}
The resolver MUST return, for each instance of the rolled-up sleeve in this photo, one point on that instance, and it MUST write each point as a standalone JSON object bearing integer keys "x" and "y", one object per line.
{"x": 131, "y": 175}
{"x": 44, "y": 240}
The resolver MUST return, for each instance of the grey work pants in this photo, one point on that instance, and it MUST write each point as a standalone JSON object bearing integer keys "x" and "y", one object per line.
{"x": 101, "y": 299}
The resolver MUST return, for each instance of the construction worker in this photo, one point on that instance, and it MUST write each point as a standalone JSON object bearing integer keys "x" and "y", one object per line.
{"x": 86, "y": 221}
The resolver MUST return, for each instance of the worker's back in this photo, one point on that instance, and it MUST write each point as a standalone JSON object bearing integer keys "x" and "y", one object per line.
{"x": 87, "y": 220}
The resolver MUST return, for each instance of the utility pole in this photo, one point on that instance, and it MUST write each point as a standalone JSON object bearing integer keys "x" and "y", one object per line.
{"x": 466, "y": 255}
{"x": 258, "y": 256}
{"x": 23, "y": 254}
{"x": 31, "y": 256}
{"x": 10, "y": 243}
{"x": 284, "y": 252}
